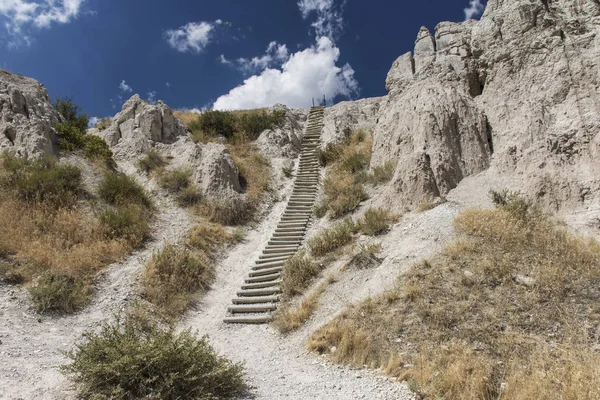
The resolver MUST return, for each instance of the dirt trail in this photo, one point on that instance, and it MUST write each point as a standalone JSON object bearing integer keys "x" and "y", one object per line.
{"x": 31, "y": 344}
{"x": 278, "y": 368}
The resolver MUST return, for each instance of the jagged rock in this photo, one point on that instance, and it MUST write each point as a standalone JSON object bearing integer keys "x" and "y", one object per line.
{"x": 345, "y": 117}
{"x": 284, "y": 141}
{"x": 212, "y": 167}
{"x": 26, "y": 117}
{"x": 139, "y": 126}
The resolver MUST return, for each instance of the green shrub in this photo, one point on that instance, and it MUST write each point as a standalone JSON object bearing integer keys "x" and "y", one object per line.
{"x": 174, "y": 275}
{"x": 254, "y": 123}
{"x": 134, "y": 358}
{"x": 152, "y": 161}
{"x": 514, "y": 204}
{"x": 333, "y": 238}
{"x": 72, "y": 134}
{"x": 383, "y": 173}
{"x": 129, "y": 222}
{"x": 376, "y": 221}
{"x": 71, "y": 113}
{"x": 57, "y": 291}
{"x": 247, "y": 124}
{"x": 330, "y": 154}
{"x": 120, "y": 190}
{"x": 43, "y": 180}
{"x": 298, "y": 273}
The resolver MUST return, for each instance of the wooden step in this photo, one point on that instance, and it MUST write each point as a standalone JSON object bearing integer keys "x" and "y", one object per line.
{"x": 261, "y": 285}
{"x": 258, "y": 292}
{"x": 255, "y": 300}
{"x": 248, "y": 319}
{"x": 259, "y": 308}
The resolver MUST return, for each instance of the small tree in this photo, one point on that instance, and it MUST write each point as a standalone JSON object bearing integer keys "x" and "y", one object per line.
{"x": 71, "y": 113}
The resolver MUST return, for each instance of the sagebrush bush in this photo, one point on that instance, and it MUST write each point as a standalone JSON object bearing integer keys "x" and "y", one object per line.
{"x": 331, "y": 153}
{"x": 514, "y": 204}
{"x": 42, "y": 181}
{"x": 122, "y": 190}
{"x": 178, "y": 182}
{"x": 248, "y": 124}
{"x": 174, "y": 275}
{"x": 342, "y": 193}
{"x": 332, "y": 238}
{"x": 56, "y": 291}
{"x": 376, "y": 221}
{"x": 208, "y": 238}
{"x": 129, "y": 222}
{"x": 151, "y": 162}
{"x": 298, "y": 273}
{"x": 133, "y": 358}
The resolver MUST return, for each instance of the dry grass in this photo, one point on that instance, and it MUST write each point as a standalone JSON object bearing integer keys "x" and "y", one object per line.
{"x": 510, "y": 311}
{"x": 376, "y": 221}
{"x": 151, "y": 162}
{"x": 186, "y": 116}
{"x": 177, "y": 275}
{"x": 426, "y": 205}
{"x": 289, "y": 317}
{"x": 383, "y": 173}
{"x": 298, "y": 273}
{"x": 254, "y": 168}
{"x": 55, "y": 239}
{"x": 343, "y": 189}
{"x": 333, "y": 238}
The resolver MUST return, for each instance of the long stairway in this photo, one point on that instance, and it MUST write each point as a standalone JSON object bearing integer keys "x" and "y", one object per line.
{"x": 259, "y": 295}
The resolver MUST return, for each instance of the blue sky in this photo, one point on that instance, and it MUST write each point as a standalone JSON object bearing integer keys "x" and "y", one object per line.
{"x": 226, "y": 53}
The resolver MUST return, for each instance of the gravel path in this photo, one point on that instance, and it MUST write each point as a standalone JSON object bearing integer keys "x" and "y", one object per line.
{"x": 277, "y": 368}
{"x": 31, "y": 344}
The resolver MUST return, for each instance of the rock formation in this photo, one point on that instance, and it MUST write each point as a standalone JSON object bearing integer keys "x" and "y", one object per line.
{"x": 26, "y": 117}
{"x": 139, "y": 126}
{"x": 516, "y": 91}
{"x": 347, "y": 116}
{"x": 284, "y": 141}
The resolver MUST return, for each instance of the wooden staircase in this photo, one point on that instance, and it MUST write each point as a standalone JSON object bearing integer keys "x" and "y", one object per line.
{"x": 257, "y": 300}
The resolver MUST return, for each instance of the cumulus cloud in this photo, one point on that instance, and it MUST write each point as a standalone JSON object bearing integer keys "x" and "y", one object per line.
{"x": 124, "y": 87}
{"x": 475, "y": 8}
{"x": 22, "y": 14}
{"x": 192, "y": 37}
{"x": 275, "y": 54}
{"x": 225, "y": 61}
{"x": 307, "y": 74}
{"x": 329, "y": 20}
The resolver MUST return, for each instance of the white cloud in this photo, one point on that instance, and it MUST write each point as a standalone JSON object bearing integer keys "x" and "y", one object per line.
{"x": 22, "y": 14}
{"x": 307, "y": 74}
{"x": 168, "y": 85}
{"x": 125, "y": 88}
{"x": 93, "y": 121}
{"x": 224, "y": 60}
{"x": 152, "y": 97}
{"x": 475, "y": 8}
{"x": 329, "y": 20}
{"x": 192, "y": 37}
{"x": 275, "y": 54}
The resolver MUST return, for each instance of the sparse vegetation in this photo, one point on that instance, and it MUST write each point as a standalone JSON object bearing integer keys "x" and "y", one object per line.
{"x": 298, "y": 273}
{"x": 241, "y": 124}
{"x": 383, "y": 173}
{"x": 515, "y": 298}
{"x": 177, "y": 274}
{"x": 366, "y": 257}
{"x": 73, "y": 135}
{"x": 122, "y": 190}
{"x": 178, "y": 182}
{"x": 426, "y": 205}
{"x": 151, "y": 162}
{"x": 47, "y": 241}
{"x": 103, "y": 123}
{"x": 229, "y": 212}
{"x": 135, "y": 358}
{"x": 376, "y": 221}
{"x": 287, "y": 172}
{"x": 290, "y": 317}
{"x": 333, "y": 238}
{"x": 342, "y": 188}
{"x": 128, "y": 222}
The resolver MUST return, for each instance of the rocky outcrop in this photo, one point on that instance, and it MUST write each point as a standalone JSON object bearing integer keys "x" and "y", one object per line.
{"x": 284, "y": 141}
{"x": 347, "y": 116}
{"x": 26, "y": 117}
{"x": 516, "y": 91}
{"x": 212, "y": 167}
{"x": 139, "y": 126}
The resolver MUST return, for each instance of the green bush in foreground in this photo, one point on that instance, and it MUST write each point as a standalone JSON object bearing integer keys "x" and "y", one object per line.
{"x": 134, "y": 358}
{"x": 122, "y": 190}
{"x": 298, "y": 273}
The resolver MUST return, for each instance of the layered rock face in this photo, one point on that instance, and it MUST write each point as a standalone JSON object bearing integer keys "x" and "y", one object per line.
{"x": 26, "y": 117}
{"x": 516, "y": 91}
{"x": 348, "y": 116}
